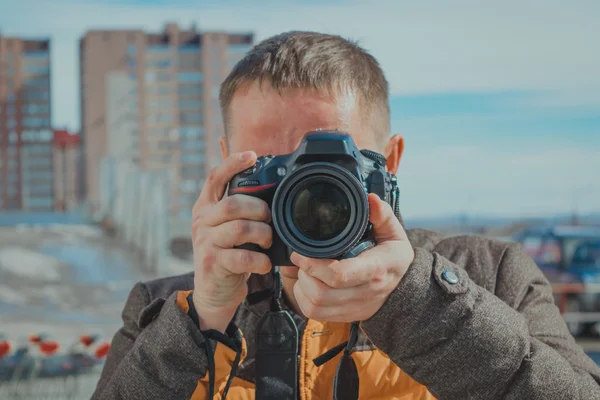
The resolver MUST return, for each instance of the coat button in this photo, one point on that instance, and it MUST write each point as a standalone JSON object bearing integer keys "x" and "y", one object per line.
{"x": 450, "y": 277}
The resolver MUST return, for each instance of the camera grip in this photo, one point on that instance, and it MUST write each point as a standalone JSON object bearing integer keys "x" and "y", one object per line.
{"x": 251, "y": 247}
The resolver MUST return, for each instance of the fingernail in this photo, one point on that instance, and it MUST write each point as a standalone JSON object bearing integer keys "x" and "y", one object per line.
{"x": 247, "y": 155}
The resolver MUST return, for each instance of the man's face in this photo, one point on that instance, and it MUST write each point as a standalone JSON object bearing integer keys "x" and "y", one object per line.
{"x": 267, "y": 122}
{"x": 263, "y": 120}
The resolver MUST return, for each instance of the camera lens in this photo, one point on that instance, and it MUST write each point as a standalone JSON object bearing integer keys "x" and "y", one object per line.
{"x": 321, "y": 211}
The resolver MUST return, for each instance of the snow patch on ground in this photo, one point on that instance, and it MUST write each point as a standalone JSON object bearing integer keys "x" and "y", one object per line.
{"x": 28, "y": 263}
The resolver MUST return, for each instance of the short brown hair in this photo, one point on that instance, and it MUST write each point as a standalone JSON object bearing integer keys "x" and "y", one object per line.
{"x": 310, "y": 60}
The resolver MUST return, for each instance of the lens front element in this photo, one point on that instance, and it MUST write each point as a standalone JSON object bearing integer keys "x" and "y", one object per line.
{"x": 321, "y": 211}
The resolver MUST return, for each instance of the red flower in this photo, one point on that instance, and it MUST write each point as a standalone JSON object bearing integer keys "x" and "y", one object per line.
{"x": 4, "y": 348}
{"x": 35, "y": 338}
{"x": 87, "y": 340}
{"x": 102, "y": 350}
{"x": 49, "y": 347}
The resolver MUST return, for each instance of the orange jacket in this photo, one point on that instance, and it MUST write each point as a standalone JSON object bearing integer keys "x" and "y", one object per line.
{"x": 488, "y": 331}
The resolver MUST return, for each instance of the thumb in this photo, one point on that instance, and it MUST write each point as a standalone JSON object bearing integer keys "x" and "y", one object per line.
{"x": 385, "y": 224}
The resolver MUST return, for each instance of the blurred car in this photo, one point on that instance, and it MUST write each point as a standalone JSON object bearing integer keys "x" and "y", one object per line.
{"x": 568, "y": 254}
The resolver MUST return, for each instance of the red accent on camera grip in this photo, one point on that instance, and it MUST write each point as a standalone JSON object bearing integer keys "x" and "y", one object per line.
{"x": 251, "y": 189}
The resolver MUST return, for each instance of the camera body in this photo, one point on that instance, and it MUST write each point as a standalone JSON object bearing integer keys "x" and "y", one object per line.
{"x": 318, "y": 196}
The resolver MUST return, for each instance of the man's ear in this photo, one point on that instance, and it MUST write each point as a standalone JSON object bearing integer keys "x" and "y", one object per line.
{"x": 393, "y": 153}
{"x": 224, "y": 150}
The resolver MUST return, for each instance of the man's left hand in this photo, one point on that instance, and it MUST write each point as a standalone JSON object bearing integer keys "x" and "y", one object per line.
{"x": 354, "y": 289}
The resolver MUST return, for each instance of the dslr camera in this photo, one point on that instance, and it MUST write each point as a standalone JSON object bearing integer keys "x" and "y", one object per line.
{"x": 318, "y": 196}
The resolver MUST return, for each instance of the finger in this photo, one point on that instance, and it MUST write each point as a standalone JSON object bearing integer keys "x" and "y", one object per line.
{"x": 330, "y": 272}
{"x": 339, "y": 313}
{"x": 235, "y": 207}
{"x": 368, "y": 266}
{"x": 385, "y": 224}
{"x": 219, "y": 177}
{"x": 321, "y": 294}
{"x": 241, "y": 261}
{"x": 241, "y": 231}
{"x": 309, "y": 265}
{"x": 289, "y": 271}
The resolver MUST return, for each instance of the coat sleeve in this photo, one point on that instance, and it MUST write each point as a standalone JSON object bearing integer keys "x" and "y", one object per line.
{"x": 160, "y": 353}
{"x": 465, "y": 342}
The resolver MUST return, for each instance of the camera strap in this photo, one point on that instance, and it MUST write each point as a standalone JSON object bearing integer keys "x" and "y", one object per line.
{"x": 345, "y": 381}
{"x": 277, "y": 350}
{"x": 276, "y": 373}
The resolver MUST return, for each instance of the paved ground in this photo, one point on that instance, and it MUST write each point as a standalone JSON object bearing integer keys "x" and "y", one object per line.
{"x": 70, "y": 280}
{"x": 65, "y": 281}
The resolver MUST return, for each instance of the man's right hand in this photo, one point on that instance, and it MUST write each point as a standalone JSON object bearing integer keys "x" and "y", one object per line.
{"x": 220, "y": 223}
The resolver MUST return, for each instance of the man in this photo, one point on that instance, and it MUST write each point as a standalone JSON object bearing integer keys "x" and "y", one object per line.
{"x": 448, "y": 318}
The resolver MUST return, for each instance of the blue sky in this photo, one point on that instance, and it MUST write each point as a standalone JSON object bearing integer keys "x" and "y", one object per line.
{"x": 499, "y": 102}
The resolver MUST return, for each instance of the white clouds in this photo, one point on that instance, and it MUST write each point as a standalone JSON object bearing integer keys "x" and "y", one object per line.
{"x": 458, "y": 45}
{"x": 534, "y": 181}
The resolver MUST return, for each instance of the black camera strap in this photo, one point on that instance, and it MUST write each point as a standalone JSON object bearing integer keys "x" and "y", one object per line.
{"x": 346, "y": 381}
{"x": 277, "y": 350}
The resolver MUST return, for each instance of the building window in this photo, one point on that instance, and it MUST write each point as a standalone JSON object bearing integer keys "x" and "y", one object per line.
{"x": 191, "y": 131}
{"x": 189, "y": 77}
{"x": 190, "y": 89}
{"x": 155, "y": 89}
{"x": 37, "y": 69}
{"x": 187, "y": 118}
{"x": 189, "y": 185}
{"x": 190, "y": 104}
{"x": 192, "y": 145}
{"x": 39, "y": 82}
{"x": 189, "y": 49}
{"x": 44, "y": 135}
{"x": 35, "y": 122}
{"x": 159, "y": 118}
{"x": 34, "y": 108}
{"x": 157, "y": 77}
{"x": 36, "y": 95}
{"x": 192, "y": 158}
{"x": 160, "y": 158}
{"x": 189, "y": 63}
{"x": 40, "y": 202}
{"x": 131, "y": 50}
{"x": 160, "y": 104}
{"x": 37, "y": 55}
{"x": 165, "y": 63}
{"x": 158, "y": 48}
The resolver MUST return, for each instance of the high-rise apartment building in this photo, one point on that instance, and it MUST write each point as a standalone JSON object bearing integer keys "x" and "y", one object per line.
{"x": 26, "y": 162}
{"x": 152, "y": 98}
{"x": 66, "y": 166}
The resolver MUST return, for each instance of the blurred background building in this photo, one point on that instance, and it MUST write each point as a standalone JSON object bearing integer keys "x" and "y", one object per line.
{"x": 26, "y": 159}
{"x": 152, "y": 99}
{"x": 66, "y": 164}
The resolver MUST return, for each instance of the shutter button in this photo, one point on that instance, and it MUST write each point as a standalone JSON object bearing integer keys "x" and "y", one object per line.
{"x": 450, "y": 277}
